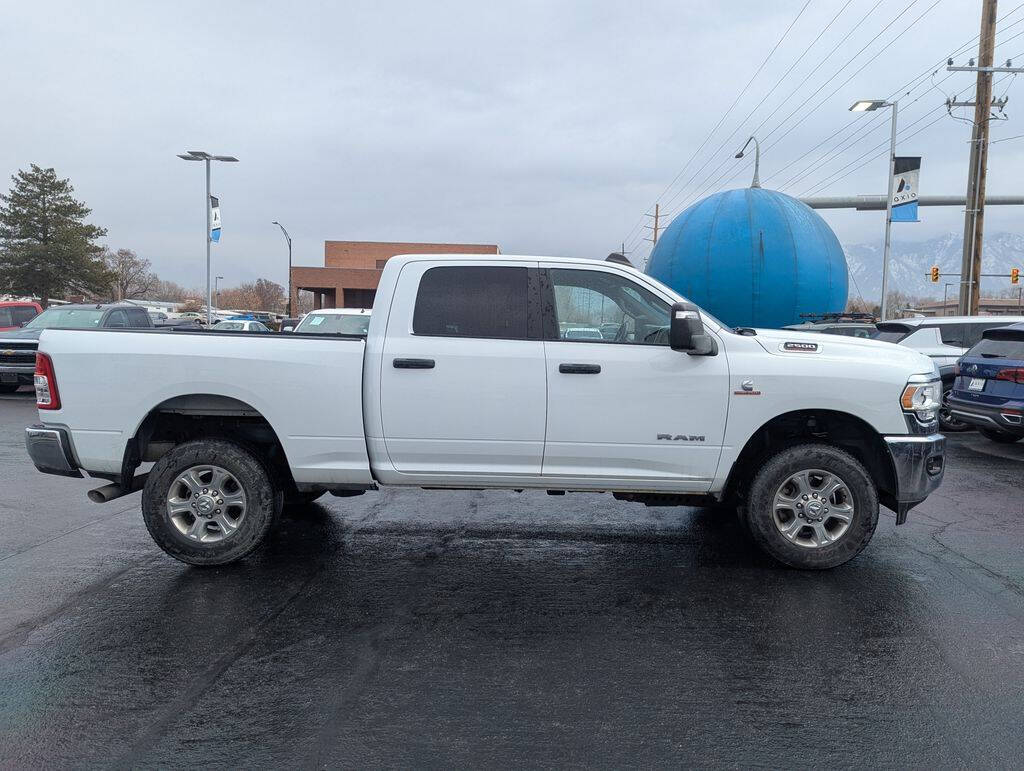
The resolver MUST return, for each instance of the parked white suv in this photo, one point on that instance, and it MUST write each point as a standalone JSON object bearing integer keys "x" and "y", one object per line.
{"x": 944, "y": 339}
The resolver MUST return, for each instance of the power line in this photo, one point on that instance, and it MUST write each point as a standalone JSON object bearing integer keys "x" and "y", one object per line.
{"x": 731, "y": 108}
{"x": 834, "y": 178}
{"x": 771, "y": 91}
{"x": 818, "y": 90}
{"x": 909, "y": 87}
{"x": 837, "y": 175}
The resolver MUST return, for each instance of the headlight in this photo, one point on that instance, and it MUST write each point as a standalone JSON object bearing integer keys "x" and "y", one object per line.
{"x": 923, "y": 399}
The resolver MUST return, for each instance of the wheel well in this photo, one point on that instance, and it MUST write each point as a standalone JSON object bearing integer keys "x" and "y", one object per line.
{"x": 839, "y": 429}
{"x": 198, "y": 416}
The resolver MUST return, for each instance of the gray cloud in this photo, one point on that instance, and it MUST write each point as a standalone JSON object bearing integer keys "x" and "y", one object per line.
{"x": 547, "y": 127}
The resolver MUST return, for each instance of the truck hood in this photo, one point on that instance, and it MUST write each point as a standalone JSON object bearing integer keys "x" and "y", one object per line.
{"x": 795, "y": 344}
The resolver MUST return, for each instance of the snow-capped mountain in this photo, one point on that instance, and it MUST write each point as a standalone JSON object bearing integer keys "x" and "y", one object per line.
{"x": 911, "y": 264}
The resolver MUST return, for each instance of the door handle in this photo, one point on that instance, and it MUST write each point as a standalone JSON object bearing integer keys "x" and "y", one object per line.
{"x": 413, "y": 363}
{"x": 579, "y": 369}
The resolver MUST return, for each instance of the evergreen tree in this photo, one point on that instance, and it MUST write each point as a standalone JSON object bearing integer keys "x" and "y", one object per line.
{"x": 46, "y": 247}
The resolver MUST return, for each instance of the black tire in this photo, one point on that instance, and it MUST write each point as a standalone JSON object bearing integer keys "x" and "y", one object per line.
{"x": 774, "y": 473}
{"x": 9, "y": 388}
{"x": 947, "y": 421}
{"x": 263, "y": 501}
{"x": 1003, "y": 437}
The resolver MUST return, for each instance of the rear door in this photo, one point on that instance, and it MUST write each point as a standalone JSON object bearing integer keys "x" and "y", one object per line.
{"x": 463, "y": 389}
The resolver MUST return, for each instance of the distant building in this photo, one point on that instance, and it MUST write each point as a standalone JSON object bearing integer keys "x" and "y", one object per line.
{"x": 992, "y": 306}
{"x": 352, "y": 270}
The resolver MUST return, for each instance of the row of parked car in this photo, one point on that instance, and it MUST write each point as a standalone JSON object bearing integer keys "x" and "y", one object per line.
{"x": 22, "y": 323}
{"x": 980, "y": 360}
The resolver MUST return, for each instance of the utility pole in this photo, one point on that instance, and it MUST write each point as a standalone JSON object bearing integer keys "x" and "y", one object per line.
{"x": 657, "y": 217}
{"x": 974, "y": 216}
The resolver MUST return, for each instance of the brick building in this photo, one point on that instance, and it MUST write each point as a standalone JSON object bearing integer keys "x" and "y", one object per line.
{"x": 352, "y": 269}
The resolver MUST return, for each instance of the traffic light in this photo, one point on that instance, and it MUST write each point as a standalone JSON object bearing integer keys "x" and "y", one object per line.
{"x": 1014, "y": 275}
{"x": 935, "y": 274}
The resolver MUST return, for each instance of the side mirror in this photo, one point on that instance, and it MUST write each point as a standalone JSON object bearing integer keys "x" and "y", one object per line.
{"x": 686, "y": 331}
{"x": 288, "y": 328}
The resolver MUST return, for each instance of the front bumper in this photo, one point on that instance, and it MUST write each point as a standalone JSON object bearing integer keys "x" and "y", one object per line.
{"x": 50, "y": 451}
{"x": 919, "y": 463}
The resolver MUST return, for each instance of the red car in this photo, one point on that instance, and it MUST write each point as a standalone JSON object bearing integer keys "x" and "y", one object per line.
{"x": 14, "y": 314}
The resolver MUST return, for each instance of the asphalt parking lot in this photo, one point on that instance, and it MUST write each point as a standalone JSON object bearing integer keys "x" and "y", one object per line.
{"x": 438, "y": 629}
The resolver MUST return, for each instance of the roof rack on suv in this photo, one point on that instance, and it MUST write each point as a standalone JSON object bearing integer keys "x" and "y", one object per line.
{"x": 839, "y": 317}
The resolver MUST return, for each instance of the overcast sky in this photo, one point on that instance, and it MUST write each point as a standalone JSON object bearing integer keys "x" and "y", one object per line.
{"x": 544, "y": 127}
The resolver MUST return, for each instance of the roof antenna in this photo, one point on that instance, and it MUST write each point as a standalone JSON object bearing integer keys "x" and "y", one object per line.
{"x": 757, "y": 160}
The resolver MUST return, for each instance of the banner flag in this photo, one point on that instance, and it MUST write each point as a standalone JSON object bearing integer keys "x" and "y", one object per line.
{"x": 906, "y": 174}
{"x": 215, "y": 219}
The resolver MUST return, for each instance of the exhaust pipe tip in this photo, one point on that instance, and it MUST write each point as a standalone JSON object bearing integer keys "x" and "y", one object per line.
{"x": 113, "y": 490}
{"x": 105, "y": 493}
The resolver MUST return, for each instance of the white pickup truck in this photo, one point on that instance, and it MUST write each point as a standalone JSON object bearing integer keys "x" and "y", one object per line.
{"x": 467, "y": 379}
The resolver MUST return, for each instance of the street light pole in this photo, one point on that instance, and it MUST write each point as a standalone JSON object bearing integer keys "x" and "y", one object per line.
{"x": 888, "y": 215}
{"x": 216, "y": 288}
{"x": 201, "y": 155}
{"x": 870, "y": 105}
{"x": 757, "y": 159}
{"x": 287, "y": 238}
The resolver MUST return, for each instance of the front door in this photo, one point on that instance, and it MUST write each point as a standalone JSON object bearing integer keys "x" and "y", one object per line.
{"x": 463, "y": 389}
{"x": 622, "y": 404}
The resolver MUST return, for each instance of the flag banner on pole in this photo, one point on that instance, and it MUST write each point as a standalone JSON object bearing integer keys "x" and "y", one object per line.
{"x": 907, "y": 171}
{"x": 215, "y": 219}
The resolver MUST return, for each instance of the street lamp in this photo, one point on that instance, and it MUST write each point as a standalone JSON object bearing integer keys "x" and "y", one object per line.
{"x": 200, "y": 155}
{"x": 287, "y": 238}
{"x": 757, "y": 159}
{"x": 216, "y": 288}
{"x": 870, "y": 105}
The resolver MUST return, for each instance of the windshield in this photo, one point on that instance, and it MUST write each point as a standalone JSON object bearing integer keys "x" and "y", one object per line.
{"x": 335, "y": 324}
{"x": 1007, "y": 346}
{"x": 74, "y": 318}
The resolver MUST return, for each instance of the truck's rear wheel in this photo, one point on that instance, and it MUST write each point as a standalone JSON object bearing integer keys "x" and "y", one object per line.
{"x": 812, "y": 506}
{"x": 209, "y": 502}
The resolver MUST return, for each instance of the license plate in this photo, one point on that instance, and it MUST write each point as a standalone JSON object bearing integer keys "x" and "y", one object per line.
{"x": 8, "y": 377}
{"x": 976, "y": 384}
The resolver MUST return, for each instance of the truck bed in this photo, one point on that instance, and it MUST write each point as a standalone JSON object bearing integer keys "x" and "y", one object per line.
{"x": 307, "y": 387}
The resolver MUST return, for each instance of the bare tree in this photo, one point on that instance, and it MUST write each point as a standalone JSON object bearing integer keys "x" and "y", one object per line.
{"x": 131, "y": 274}
{"x": 169, "y": 290}
{"x": 259, "y": 295}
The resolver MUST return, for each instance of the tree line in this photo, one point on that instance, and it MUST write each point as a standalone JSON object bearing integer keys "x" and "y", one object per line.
{"x": 49, "y": 251}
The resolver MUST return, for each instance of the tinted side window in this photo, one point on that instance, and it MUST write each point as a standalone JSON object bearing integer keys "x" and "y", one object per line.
{"x": 21, "y": 314}
{"x": 472, "y": 301}
{"x": 116, "y": 319}
{"x": 972, "y": 332}
{"x": 951, "y": 334}
{"x": 138, "y": 319}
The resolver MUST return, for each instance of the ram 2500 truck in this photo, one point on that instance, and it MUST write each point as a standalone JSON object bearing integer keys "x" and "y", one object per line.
{"x": 469, "y": 377}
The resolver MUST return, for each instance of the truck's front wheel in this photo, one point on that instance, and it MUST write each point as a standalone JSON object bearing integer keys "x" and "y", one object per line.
{"x": 209, "y": 502}
{"x": 812, "y": 506}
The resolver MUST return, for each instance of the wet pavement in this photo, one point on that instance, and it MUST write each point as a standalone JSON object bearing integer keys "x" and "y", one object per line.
{"x": 437, "y": 629}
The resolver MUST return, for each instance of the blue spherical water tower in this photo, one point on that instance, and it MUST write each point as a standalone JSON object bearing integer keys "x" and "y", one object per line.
{"x": 753, "y": 258}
